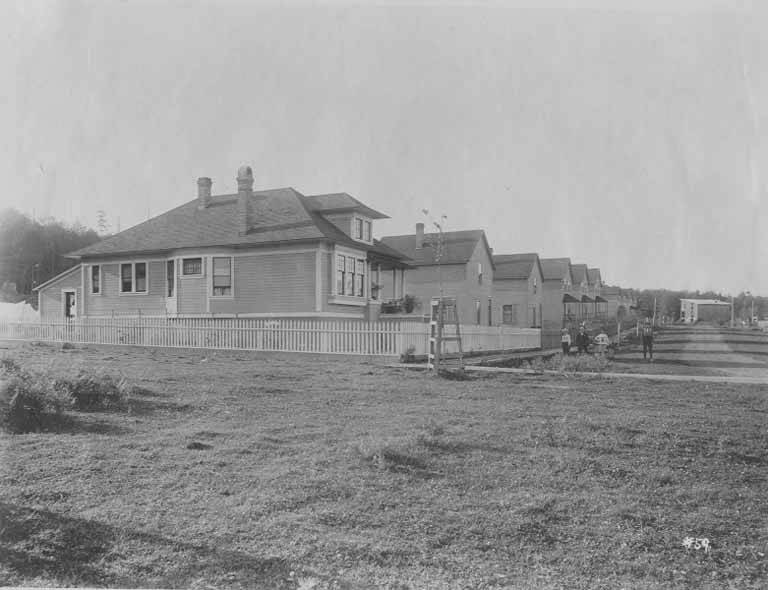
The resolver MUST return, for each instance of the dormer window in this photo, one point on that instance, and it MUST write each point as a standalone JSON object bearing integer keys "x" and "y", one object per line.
{"x": 361, "y": 229}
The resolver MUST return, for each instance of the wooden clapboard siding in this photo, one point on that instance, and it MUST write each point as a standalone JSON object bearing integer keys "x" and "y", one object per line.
{"x": 526, "y": 293}
{"x": 271, "y": 284}
{"x": 459, "y": 280}
{"x": 51, "y": 304}
{"x": 111, "y": 301}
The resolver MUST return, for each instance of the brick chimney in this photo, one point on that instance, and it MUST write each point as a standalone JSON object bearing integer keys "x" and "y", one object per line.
{"x": 419, "y": 236}
{"x": 244, "y": 192}
{"x": 203, "y": 192}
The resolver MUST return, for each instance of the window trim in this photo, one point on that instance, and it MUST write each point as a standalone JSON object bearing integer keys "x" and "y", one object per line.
{"x": 101, "y": 280}
{"x": 175, "y": 277}
{"x": 192, "y": 276}
{"x": 512, "y": 308}
{"x": 363, "y": 220}
{"x": 357, "y": 258}
{"x": 231, "y": 277}
{"x": 133, "y": 290}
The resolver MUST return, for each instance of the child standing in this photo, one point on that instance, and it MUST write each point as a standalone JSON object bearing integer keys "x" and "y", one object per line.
{"x": 565, "y": 341}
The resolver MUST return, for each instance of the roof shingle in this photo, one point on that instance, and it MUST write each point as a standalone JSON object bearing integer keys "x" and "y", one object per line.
{"x": 514, "y": 266}
{"x": 458, "y": 246}
{"x": 275, "y": 216}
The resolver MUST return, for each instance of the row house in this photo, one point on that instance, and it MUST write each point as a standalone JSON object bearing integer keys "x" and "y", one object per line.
{"x": 456, "y": 263}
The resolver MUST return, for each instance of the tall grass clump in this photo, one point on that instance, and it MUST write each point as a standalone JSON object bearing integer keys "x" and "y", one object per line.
{"x": 90, "y": 392}
{"x": 28, "y": 402}
{"x": 582, "y": 363}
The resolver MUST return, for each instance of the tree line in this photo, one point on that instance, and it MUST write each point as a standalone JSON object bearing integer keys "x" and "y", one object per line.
{"x": 668, "y": 302}
{"x": 32, "y": 251}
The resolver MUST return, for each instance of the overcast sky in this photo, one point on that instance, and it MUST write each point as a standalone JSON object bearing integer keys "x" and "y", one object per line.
{"x": 620, "y": 137}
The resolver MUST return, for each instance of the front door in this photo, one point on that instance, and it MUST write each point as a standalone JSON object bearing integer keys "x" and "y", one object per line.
{"x": 171, "y": 305}
{"x": 70, "y": 305}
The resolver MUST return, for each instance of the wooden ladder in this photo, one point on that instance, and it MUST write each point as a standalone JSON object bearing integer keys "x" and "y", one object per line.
{"x": 444, "y": 314}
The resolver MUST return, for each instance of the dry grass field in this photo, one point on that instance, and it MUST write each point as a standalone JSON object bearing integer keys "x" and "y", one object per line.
{"x": 236, "y": 470}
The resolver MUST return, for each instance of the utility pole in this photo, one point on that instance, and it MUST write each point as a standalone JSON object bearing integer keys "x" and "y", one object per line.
{"x": 732, "y": 321}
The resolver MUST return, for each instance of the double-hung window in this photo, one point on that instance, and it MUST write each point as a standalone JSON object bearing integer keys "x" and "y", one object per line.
{"x": 222, "y": 275}
{"x": 358, "y": 228}
{"x": 368, "y": 232}
{"x": 359, "y": 278}
{"x": 509, "y": 314}
{"x": 350, "y": 276}
{"x": 133, "y": 277}
{"x": 340, "y": 270}
{"x": 96, "y": 279}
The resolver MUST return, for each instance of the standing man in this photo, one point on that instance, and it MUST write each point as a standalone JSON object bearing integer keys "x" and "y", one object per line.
{"x": 647, "y": 339}
{"x": 582, "y": 340}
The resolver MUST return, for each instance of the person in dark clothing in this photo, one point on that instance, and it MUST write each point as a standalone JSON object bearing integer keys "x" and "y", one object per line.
{"x": 582, "y": 340}
{"x": 648, "y": 340}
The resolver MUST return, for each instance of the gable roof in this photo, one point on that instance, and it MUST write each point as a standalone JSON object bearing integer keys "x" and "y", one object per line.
{"x": 458, "y": 247}
{"x": 276, "y": 216}
{"x": 556, "y": 269}
{"x": 593, "y": 276}
{"x": 579, "y": 272}
{"x": 515, "y": 266}
{"x": 340, "y": 203}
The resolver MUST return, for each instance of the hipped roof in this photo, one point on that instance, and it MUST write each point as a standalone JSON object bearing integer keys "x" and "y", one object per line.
{"x": 276, "y": 216}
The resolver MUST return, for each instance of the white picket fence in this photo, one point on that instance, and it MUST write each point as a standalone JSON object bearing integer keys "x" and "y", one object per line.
{"x": 337, "y": 336}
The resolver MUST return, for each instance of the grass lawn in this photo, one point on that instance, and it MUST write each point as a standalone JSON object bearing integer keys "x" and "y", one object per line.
{"x": 237, "y": 470}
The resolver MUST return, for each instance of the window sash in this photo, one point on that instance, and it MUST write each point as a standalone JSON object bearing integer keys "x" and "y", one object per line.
{"x": 192, "y": 266}
{"x": 367, "y": 235}
{"x": 170, "y": 266}
{"x": 358, "y": 228}
{"x": 96, "y": 279}
{"x": 126, "y": 278}
{"x": 140, "y": 276}
{"x": 222, "y": 275}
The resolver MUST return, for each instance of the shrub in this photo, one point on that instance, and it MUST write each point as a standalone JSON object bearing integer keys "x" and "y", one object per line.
{"x": 409, "y": 303}
{"x": 30, "y": 403}
{"x": 89, "y": 392}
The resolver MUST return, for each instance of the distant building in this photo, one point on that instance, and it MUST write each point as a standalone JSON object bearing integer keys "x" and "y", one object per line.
{"x": 704, "y": 310}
